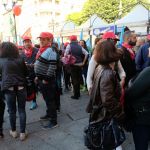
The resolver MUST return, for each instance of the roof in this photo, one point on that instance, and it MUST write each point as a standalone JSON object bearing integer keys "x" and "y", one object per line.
{"x": 138, "y": 14}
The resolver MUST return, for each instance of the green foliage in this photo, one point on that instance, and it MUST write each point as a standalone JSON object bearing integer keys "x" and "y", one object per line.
{"x": 109, "y": 10}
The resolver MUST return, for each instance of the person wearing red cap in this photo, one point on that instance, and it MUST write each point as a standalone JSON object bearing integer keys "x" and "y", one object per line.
{"x": 92, "y": 64}
{"x": 76, "y": 69}
{"x": 142, "y": 58}
{"x": 29, "y": 54}
{"x": 45, "y": 70}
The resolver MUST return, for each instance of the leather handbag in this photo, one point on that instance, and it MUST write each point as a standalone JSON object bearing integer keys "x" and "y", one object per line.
{"x": 104, "y": 135}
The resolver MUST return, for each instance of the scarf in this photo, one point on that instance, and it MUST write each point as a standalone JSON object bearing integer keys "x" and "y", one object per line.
{"x": 41, "y": 50}
{"x": 28, "y": 52}
{"x": 130, "y": 50}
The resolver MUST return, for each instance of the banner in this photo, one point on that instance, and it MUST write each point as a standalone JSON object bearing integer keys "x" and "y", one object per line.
{"x": 98, "y": 31}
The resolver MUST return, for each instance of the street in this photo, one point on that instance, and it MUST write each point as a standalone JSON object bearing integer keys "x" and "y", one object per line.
{"x": 68, "y": 136}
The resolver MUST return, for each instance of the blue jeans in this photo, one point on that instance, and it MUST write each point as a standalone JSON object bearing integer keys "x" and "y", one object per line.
{"x": 20, "y": 97}
{"x": 2, "y": 109}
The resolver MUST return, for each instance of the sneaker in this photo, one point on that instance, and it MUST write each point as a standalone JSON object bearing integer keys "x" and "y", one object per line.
{"x": 13, "y": 134}
{"x": 50, "y": 125}
{"x": 46, "y": 117}
{"x": 33, "y": 106}
{"x": 23, "y": 136}
{"x": 74, "y": 97}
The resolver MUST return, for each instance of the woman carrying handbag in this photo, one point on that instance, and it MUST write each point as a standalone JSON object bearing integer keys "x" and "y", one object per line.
{"x": 104, "y": 132}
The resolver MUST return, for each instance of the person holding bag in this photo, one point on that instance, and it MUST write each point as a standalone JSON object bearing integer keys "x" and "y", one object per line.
{"x": 104, "y": 107}
{"x": 76, "y": 52}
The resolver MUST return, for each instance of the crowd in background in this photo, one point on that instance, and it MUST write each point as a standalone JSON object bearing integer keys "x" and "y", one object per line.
{"x": 117, "y": 81}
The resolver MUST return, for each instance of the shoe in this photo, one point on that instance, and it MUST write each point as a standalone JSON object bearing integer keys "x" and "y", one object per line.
{"x": 51, "y": 125}
{"x": 46, "y": 117}
{"x": 1, "y": 135}
{"x": 13, "y": 134}
{"x": 74, "y": 97}
{"x": 33, "y": 106}
{"x": 23, "y": 136}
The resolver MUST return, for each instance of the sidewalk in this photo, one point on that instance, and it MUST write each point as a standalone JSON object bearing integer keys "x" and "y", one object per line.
{"x": 68, "y": 136}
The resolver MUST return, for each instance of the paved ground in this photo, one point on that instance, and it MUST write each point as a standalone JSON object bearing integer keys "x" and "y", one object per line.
{"x": 69, "y": 134}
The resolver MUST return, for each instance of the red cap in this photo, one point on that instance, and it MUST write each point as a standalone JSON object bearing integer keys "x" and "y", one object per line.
{"x": 66, "y": 44}
{"x": 26, "y": 38}
{"x": 109, "y": 35}
{"x": 148, "y": 36}
{"x": 73, "y": 38}
{"x": 46, "y": 35}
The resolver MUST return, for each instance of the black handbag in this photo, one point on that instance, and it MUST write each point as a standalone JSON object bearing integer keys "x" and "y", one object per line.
{"x": 104, "y": 135}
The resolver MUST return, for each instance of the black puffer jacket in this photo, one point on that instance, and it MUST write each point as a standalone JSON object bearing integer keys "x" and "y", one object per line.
{"x": 14, "y": 72}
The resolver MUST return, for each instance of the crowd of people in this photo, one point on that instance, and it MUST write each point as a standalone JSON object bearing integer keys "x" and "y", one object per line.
{"x": 117, "y": 81}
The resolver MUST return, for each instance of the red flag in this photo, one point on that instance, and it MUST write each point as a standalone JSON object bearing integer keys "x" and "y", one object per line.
{"x": 27, "y": 33}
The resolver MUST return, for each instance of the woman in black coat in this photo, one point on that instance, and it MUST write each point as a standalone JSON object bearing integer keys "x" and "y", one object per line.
{"x": 14, "y": 72}
{"x": 137, "y": 108}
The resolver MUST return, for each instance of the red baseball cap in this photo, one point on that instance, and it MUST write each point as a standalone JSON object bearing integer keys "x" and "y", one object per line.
{"x": 26, "y": 38}
{"x": 46, "y": 35}
{"x": 148, "y": 36}
{"x": 109, "y": 35}
{"x": 73, "y": 38}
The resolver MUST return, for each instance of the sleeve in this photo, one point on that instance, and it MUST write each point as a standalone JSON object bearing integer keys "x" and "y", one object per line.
{"x": 67, "y": 50}
{"x": 140, "y": 86}
{"x": 84, "y": 51}
{"x": 90, "y": 73}
{"x": 139, "y": 59}
{"x": 121, "y": 71}
{"x": 107, "y": 91}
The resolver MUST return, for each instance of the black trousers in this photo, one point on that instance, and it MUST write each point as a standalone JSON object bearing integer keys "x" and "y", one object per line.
{"x": 141, "y": 136}
{"x": 2, "y": 109}
{"x": 49, "y": 94}
{"x": 76, "y": 74}
{"x": 67, "y": 76}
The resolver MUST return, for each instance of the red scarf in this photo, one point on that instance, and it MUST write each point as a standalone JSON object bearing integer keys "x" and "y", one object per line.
{"x": 41, "y": 50}
{"x": 130, "y": 50}
{"x": 28, "y": 52}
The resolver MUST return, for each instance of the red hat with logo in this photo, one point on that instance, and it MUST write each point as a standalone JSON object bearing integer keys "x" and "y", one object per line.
{"x": 148, "y": 36}
{"x": 26, "y": 38}
{"x": 46, "y": 35}
{"x": 109, "y": 35}
{"x": 73, "y": 38}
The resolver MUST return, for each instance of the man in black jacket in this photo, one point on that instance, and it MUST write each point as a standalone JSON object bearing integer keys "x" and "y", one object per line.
{"x": 128, "y": 58}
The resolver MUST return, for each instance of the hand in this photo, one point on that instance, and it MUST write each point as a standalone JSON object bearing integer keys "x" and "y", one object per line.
{"x": 36, "y": 80}
{"x": 90, "y": 90}
{"x": 44, "y": 82}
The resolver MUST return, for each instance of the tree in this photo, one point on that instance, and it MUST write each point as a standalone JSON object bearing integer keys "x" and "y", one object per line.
{"x": 109, "y": 10}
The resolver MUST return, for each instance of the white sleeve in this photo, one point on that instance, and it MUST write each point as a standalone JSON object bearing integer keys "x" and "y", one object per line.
{"x": 90, "y": 73}
{"x": 121, "y": 71}
{"x": 67, "y": 50}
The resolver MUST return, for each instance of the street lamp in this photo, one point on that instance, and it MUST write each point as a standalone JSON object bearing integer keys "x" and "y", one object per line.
{"x": 8, "y": 10}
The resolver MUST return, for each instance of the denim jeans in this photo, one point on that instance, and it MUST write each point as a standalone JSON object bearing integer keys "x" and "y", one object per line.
{"x": 20, "y": 97}
{"x": 2, "y": 109}
{"x": 48, "y": 91}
